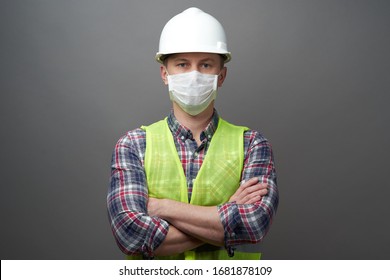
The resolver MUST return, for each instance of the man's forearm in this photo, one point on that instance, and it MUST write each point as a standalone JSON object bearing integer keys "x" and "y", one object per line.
{"x": 176, "y": 242}
{"x": 201, "y": 222}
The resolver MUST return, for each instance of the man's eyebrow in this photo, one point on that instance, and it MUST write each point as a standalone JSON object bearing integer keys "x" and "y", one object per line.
{"x": 207, "y": 59}
{"x": 210, "y": 60}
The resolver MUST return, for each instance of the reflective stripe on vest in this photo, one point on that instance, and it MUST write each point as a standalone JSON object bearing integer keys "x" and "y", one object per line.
{"x": 217, "y": 179}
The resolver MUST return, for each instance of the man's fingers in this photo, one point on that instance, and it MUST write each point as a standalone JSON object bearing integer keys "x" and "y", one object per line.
{"x": 263, "y": 185}
{"x": 255, "y": 196}
{"x": 253, "y": 200}
{"x": 251, "y": 193}
{"x": 250, "y": 182}
{"x": 250, "y": 189}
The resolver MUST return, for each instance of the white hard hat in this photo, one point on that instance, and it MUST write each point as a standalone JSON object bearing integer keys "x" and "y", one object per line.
{"x": 193, "y": 31}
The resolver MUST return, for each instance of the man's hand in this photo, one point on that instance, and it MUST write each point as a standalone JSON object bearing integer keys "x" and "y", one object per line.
{"x": 250, "y": 192}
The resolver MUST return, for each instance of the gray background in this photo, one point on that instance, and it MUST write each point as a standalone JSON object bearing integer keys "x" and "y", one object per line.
{"x": 312, "y": 76}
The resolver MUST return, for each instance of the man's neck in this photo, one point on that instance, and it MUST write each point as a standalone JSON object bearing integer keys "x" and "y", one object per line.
{"x": 197, "y": 123}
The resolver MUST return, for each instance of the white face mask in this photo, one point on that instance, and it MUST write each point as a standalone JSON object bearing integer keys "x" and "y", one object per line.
{"x": 193, "y": 91}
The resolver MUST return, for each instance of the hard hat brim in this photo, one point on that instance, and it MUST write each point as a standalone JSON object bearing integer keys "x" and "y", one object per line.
{"x": 160, "y": 57}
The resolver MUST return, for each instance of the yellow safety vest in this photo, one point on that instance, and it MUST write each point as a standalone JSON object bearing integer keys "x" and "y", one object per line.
{"x": 217, "y": 179}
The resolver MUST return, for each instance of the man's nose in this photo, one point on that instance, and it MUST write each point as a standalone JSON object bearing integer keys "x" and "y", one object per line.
{"x": 195, "y": 68}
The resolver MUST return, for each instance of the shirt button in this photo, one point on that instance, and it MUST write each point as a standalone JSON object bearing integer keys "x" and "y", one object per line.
{"x": 182, "y": 137}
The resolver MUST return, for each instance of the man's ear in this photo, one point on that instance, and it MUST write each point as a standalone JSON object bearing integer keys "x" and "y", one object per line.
{"x": 222, "y": 76}
{"x": 164, "y": 74}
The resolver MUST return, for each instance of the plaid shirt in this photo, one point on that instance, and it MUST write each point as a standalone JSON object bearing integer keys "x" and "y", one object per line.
{"x": 138, "y": 233}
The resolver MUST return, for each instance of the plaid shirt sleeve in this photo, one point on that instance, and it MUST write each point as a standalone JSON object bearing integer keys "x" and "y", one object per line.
{"x": 249, "y": 223}
{"x": 135, "y": 232}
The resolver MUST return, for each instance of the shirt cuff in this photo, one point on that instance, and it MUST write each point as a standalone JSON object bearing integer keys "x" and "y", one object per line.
{"x": 230, "y": 218}
{"x": 155, "y": 237}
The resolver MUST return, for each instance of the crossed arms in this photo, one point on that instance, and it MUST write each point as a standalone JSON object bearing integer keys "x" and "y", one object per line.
{"x": 147, "y": 226}
{"x": 192, "y": 225}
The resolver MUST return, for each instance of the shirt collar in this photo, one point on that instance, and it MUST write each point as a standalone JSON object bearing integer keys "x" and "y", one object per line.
{"x": 180, "y": 131}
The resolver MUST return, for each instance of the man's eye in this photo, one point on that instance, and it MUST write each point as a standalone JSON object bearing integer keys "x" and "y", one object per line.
{"x": 182, "y": 65}
{"x": 206, "y": 65}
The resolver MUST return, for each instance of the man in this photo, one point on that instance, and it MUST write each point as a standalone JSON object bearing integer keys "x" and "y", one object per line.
{"x": 192, "y": 186}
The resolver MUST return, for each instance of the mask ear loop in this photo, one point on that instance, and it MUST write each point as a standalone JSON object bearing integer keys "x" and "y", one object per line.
{"x": 166, "y": 70}
{"x": 220, "y": 76}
